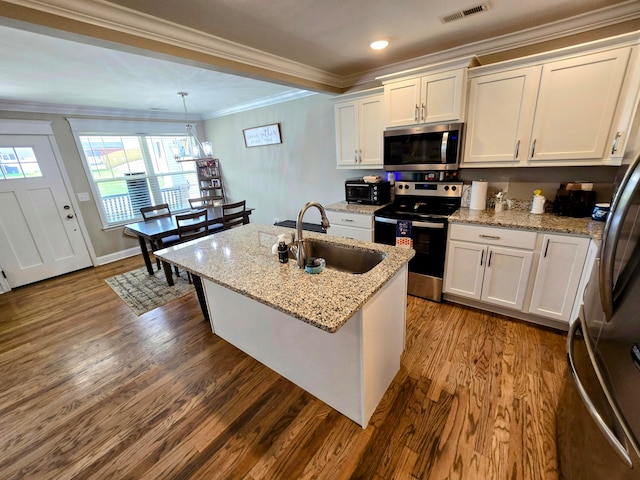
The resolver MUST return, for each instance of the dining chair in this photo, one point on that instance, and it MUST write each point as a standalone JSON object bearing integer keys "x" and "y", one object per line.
{"x": 191, "y": 226}
{"x": 207, "y": 202}
{"x": 234, "y": 214}
{"x": 154, "y": 212}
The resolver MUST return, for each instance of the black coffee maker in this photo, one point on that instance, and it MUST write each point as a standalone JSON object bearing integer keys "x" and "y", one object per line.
{"x": 574, "y": 200}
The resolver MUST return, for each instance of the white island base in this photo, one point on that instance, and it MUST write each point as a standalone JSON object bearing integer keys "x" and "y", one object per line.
{"x": 350, "y": 370}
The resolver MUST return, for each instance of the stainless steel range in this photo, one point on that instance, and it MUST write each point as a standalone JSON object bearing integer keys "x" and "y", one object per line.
{"x": 427, "y": 205}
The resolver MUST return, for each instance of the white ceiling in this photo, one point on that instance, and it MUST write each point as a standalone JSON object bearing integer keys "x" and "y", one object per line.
{"x": 318, "y": 41}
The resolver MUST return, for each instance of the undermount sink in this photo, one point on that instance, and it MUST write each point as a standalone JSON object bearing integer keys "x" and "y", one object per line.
{"x": 343, "y": 258}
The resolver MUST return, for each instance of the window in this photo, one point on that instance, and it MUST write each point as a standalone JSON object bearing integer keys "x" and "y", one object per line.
{"x": 18, "y": 162}
{"x": 130, "y": 170}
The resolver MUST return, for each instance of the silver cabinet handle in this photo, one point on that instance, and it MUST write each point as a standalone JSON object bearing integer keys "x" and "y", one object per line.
{"x": 489, "y": 260}
{"x": 517, "y": 149}
{"x": 423, "y": 113}
{"x": 533, "y": 148}
{"x": 347, "y": 220}
{"x": 355, "y": 155}
{"x": 546, "y": 249}
{"x": 481, "y": 257}
{"x": 604, "y": 428}
{"x": 360, "y": 156}
{"x": 491, "y": 237}
{"x": 614, "y": 148}
{"x": 415, "y": 114}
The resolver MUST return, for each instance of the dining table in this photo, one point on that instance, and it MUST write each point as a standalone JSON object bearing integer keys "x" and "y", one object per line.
{"x": 157, "y": 229}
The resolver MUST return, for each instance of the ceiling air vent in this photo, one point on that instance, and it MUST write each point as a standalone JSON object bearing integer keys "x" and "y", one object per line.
{"x": 464, "y": 13}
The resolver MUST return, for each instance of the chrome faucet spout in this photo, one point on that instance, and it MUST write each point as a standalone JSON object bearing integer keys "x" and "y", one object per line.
{"x": 301, "y": 254}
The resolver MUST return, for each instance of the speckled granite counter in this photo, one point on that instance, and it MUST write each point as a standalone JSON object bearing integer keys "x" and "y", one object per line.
{"x": 354, "y": 208}
{"x": 523, "y": 219}
{"x": 241, "y": 260}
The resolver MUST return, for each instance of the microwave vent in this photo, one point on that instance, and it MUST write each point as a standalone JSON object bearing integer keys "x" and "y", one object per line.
{"x": 464, "y": 13}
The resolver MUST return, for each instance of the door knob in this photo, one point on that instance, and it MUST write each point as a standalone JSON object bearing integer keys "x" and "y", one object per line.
{"x": 66, "y": 207}
{"x": 70, "y": 215}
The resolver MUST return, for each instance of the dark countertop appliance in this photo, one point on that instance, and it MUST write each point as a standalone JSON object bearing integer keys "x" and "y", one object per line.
{"x": 356, "y": 190}
{"x": 427, "y": 205}
{"x": 598, "y": 421}
{"x": 574, "y": 201}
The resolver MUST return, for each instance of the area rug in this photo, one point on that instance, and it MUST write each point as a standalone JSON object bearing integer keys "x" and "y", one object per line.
{"x": 143, "y": 292}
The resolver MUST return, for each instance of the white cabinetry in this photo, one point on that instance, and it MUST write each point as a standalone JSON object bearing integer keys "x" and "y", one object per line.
{"x": 350, "y": 225}
{"x": 558, "y": 277}
{"x": 359, "y": 132}
{"x": 431, "y": 98}
{"x": 563, "y": 112}
{"x": 492, "y": 265}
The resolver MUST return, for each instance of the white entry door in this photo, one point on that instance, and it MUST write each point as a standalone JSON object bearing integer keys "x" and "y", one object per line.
{"x": 39, "y": 233}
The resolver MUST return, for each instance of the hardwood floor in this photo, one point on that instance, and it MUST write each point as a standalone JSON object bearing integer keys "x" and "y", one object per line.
{"x": 89, "y": 390}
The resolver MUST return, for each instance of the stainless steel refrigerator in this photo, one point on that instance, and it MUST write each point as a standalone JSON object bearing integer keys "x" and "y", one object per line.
{"x": 598, "y": 422}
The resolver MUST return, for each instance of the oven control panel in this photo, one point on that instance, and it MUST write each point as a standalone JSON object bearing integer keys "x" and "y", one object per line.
{"x": 429, "y": 189}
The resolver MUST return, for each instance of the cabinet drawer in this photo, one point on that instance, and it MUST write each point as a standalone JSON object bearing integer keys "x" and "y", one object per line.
{"x": 493, "y": 236}
{"x": 350, "y": 219}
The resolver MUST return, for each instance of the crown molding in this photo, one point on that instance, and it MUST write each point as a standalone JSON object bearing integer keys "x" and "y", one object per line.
{"x": 61, "y": 109}
{"x": 262, "y": 102}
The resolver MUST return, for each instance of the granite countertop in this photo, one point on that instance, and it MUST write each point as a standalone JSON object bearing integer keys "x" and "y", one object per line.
{"x": 523, "y": 219}
{"x": 241, "y": 260}
{"x": 354, "y": 208}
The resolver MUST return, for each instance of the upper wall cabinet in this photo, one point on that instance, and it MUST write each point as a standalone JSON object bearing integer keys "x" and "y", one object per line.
{"x": 571, "y": 111}
{"x": 433, "y": 94}
{"x": 359, "y": 131}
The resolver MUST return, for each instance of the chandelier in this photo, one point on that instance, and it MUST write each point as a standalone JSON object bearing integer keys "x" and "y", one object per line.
{"x": 190, "y": 148}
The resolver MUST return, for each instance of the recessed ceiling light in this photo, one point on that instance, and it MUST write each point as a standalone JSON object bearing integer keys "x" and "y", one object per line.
{"x": 379, "y": 44}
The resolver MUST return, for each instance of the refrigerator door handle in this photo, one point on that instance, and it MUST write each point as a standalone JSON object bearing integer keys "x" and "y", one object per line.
{"x": 622, "y": 452}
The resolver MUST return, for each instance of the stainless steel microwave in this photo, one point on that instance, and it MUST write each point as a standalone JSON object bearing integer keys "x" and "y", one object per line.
{"x": 428, "y": 147}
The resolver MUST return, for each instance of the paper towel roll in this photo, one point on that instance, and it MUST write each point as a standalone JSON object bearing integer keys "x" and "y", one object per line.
{"x": 478, "y": 195}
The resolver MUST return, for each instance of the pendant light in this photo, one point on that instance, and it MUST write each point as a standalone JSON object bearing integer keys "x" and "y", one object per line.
{"x": 190, "y": 147}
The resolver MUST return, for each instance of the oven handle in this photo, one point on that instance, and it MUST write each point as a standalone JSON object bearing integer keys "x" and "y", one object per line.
{"x": 419, "y": 224}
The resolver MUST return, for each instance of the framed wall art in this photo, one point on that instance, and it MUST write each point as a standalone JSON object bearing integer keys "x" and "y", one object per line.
{"x": 264, "y": 135}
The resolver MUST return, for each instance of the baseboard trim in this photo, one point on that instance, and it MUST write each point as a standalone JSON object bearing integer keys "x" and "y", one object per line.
{"x": 113, "y": 257}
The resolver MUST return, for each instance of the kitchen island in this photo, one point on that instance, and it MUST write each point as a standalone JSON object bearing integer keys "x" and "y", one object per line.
{"x": 337, "y": 335}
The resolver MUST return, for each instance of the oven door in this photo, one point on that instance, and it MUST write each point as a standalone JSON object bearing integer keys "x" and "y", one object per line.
{"x": 429, "y": 242}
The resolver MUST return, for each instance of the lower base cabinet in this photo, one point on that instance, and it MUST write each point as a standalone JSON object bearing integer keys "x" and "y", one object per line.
{"x": 559, "y": 272}
{"x": 358, "y": 226}
{"x": 488, "y": 265}
{"x": 533, "y": 274}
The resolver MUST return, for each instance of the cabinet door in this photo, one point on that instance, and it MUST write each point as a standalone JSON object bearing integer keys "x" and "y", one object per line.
{"x": 506, "y": 277}
{"x": 464, "y": 269}
{"x": 558, "y": 277}
{"x": 441, "y": 96}
{"x": 346, "y": 115}
{"x": 576, "y": 105}
{"x": 500, "y": 117}
{"x": 371, "y": 116}
{"x": 401, "y": 102}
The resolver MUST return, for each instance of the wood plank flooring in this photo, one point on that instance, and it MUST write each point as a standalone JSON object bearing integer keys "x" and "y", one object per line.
{"x": 89, "y": 390}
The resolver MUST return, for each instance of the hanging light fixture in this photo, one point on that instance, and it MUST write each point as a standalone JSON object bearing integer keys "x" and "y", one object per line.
{"x": 190, "y": 147}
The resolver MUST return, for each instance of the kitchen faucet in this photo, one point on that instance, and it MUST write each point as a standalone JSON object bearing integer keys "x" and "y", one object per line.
{"x": 301, "y": 255}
